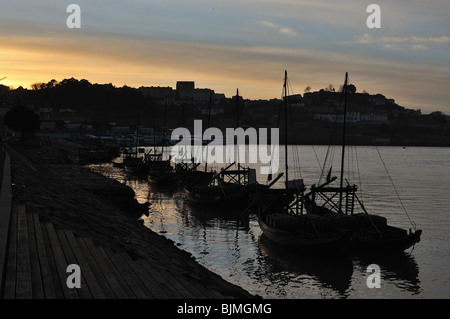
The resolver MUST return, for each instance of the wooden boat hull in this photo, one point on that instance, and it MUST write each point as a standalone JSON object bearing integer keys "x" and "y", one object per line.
{"x": 370, "y": 233}
{"x": 136, "y": 170}
{"x": 305, "y": 242}
{"x": 397, "y": 240}
{"x": 215, "y": 196}
{"x": 162, "y": 178}
{"x": 196, "y": 178}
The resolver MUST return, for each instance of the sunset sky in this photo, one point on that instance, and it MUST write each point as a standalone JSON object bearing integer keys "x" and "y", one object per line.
{"x": 229, "y": 44}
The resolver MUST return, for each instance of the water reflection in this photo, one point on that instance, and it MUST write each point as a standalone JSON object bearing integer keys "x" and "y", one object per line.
{"x": 236, "y": 249}
{"x": 333, "y": 273}
{"x": 218, "y": 216}
{"x": 400, "y": 269}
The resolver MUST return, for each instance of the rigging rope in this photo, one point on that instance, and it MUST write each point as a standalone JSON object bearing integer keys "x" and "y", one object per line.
{"x": 359, "y": 178}
{"x": 395, "y": 189}
{"x": 317, "y": 157}
{"x": 280, "y": 112}
{"x": 295, "y": 149}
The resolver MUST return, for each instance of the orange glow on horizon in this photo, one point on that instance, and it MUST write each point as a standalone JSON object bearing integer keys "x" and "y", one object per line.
{"x": 256, "y": 71}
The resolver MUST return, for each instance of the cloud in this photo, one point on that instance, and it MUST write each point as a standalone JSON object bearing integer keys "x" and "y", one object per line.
{"x": 288, "y": 31}
{"x": 144, "y": 62}
{"x": 365, "y": 39}
{"x": 418, "y": 47}
{"x": 269, "y": 24}
{"x": 391, "y": 46}
{"x": 282, "y": 30}
{"x": 443, "y": 39}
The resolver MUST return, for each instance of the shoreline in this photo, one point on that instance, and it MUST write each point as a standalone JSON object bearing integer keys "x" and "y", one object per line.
{"x": 91, "y": 205}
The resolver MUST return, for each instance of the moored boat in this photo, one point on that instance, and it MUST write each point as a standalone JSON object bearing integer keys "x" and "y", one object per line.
{"x": 283, "y": 220}
{"x": 368, "y": 232}
{"x": 304, "y": 233}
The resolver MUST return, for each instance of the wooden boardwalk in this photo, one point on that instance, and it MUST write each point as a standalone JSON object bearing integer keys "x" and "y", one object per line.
{"x": 40, "y": 252}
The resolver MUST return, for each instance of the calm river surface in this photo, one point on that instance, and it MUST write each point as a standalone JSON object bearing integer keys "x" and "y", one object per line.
{"x": 241, "y": 255}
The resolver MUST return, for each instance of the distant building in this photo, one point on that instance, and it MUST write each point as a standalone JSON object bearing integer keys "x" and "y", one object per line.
{"x": 146, "y": 130}
{"x": 120, "y": 130}
{"x": 45, "y": 113}
{"x": 352, "y": 117}
{"x": 377, "y": 99}
{"x": 185, "y": 85}
{"x": 375, "y": 117}
{"x": 67, "y": 111}
{"x": 72, "y": 126}
{"x": 214, "y": 111}
{"x": 160, "y": 95}
{"x": 202, "y": 95}
{"x": 295, "y": 100}
{"x": 185, "y": 89}
{"x": 219, "y": 96}
{"x": 48, "y": 126}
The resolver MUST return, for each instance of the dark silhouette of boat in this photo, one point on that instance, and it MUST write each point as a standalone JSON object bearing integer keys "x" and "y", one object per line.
{"x": 187, "y": 170}
{"x": 368, "y": 232}
{"x": 231, "y": 188}
{"x": 160, "y": 169}
{"x": 189, "y": 175}
{"x": 282, "y": 218}
{"x": 133, "y": 163}
{"x": 305, "y": 233}
{"x": 228, "y": 188}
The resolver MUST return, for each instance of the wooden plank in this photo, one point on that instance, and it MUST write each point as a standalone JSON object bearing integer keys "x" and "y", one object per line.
{"x": 161, "y": 281}
{"x": 96, "y": 271}
{"x": 194, "y": 285}
{"x": 128, "y": 274}
{"x": 188, "y": 289}
{"x": 47, "y": 280}
{"x": 86, "y": 271}
{"x": 119, "y": 276}
{"x": 210, "y": 293}
{"x": 113, "y": 282}
{"x": 23, "y": 285}
{"x": 5, "y": 213}
{"x": 149, "y": 282}
{"x": 11, "y": 266}
{"x": 36, "y": 278}
{"x": 61, "y": 262}
{"x": 83, "y": 292}
{"x": 53, "y": 268}
{"x": 187, "y": 293}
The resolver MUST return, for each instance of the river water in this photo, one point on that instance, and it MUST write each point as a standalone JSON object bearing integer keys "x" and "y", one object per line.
{"x": 404, "y": 184}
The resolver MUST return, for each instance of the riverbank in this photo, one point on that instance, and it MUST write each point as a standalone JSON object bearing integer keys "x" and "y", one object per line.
{"x": 92, "y": 206}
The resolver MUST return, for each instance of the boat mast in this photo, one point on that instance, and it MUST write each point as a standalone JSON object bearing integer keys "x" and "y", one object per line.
{"x": 285, "y": 130}
{"x": 343, "y": 142}
{"x": 136, "y": 144}
{"x": 208, "y": 124}
{"x": 163, "y": 133}
{"x": 237, "y": 125}
{"x": 154, "y": 132}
